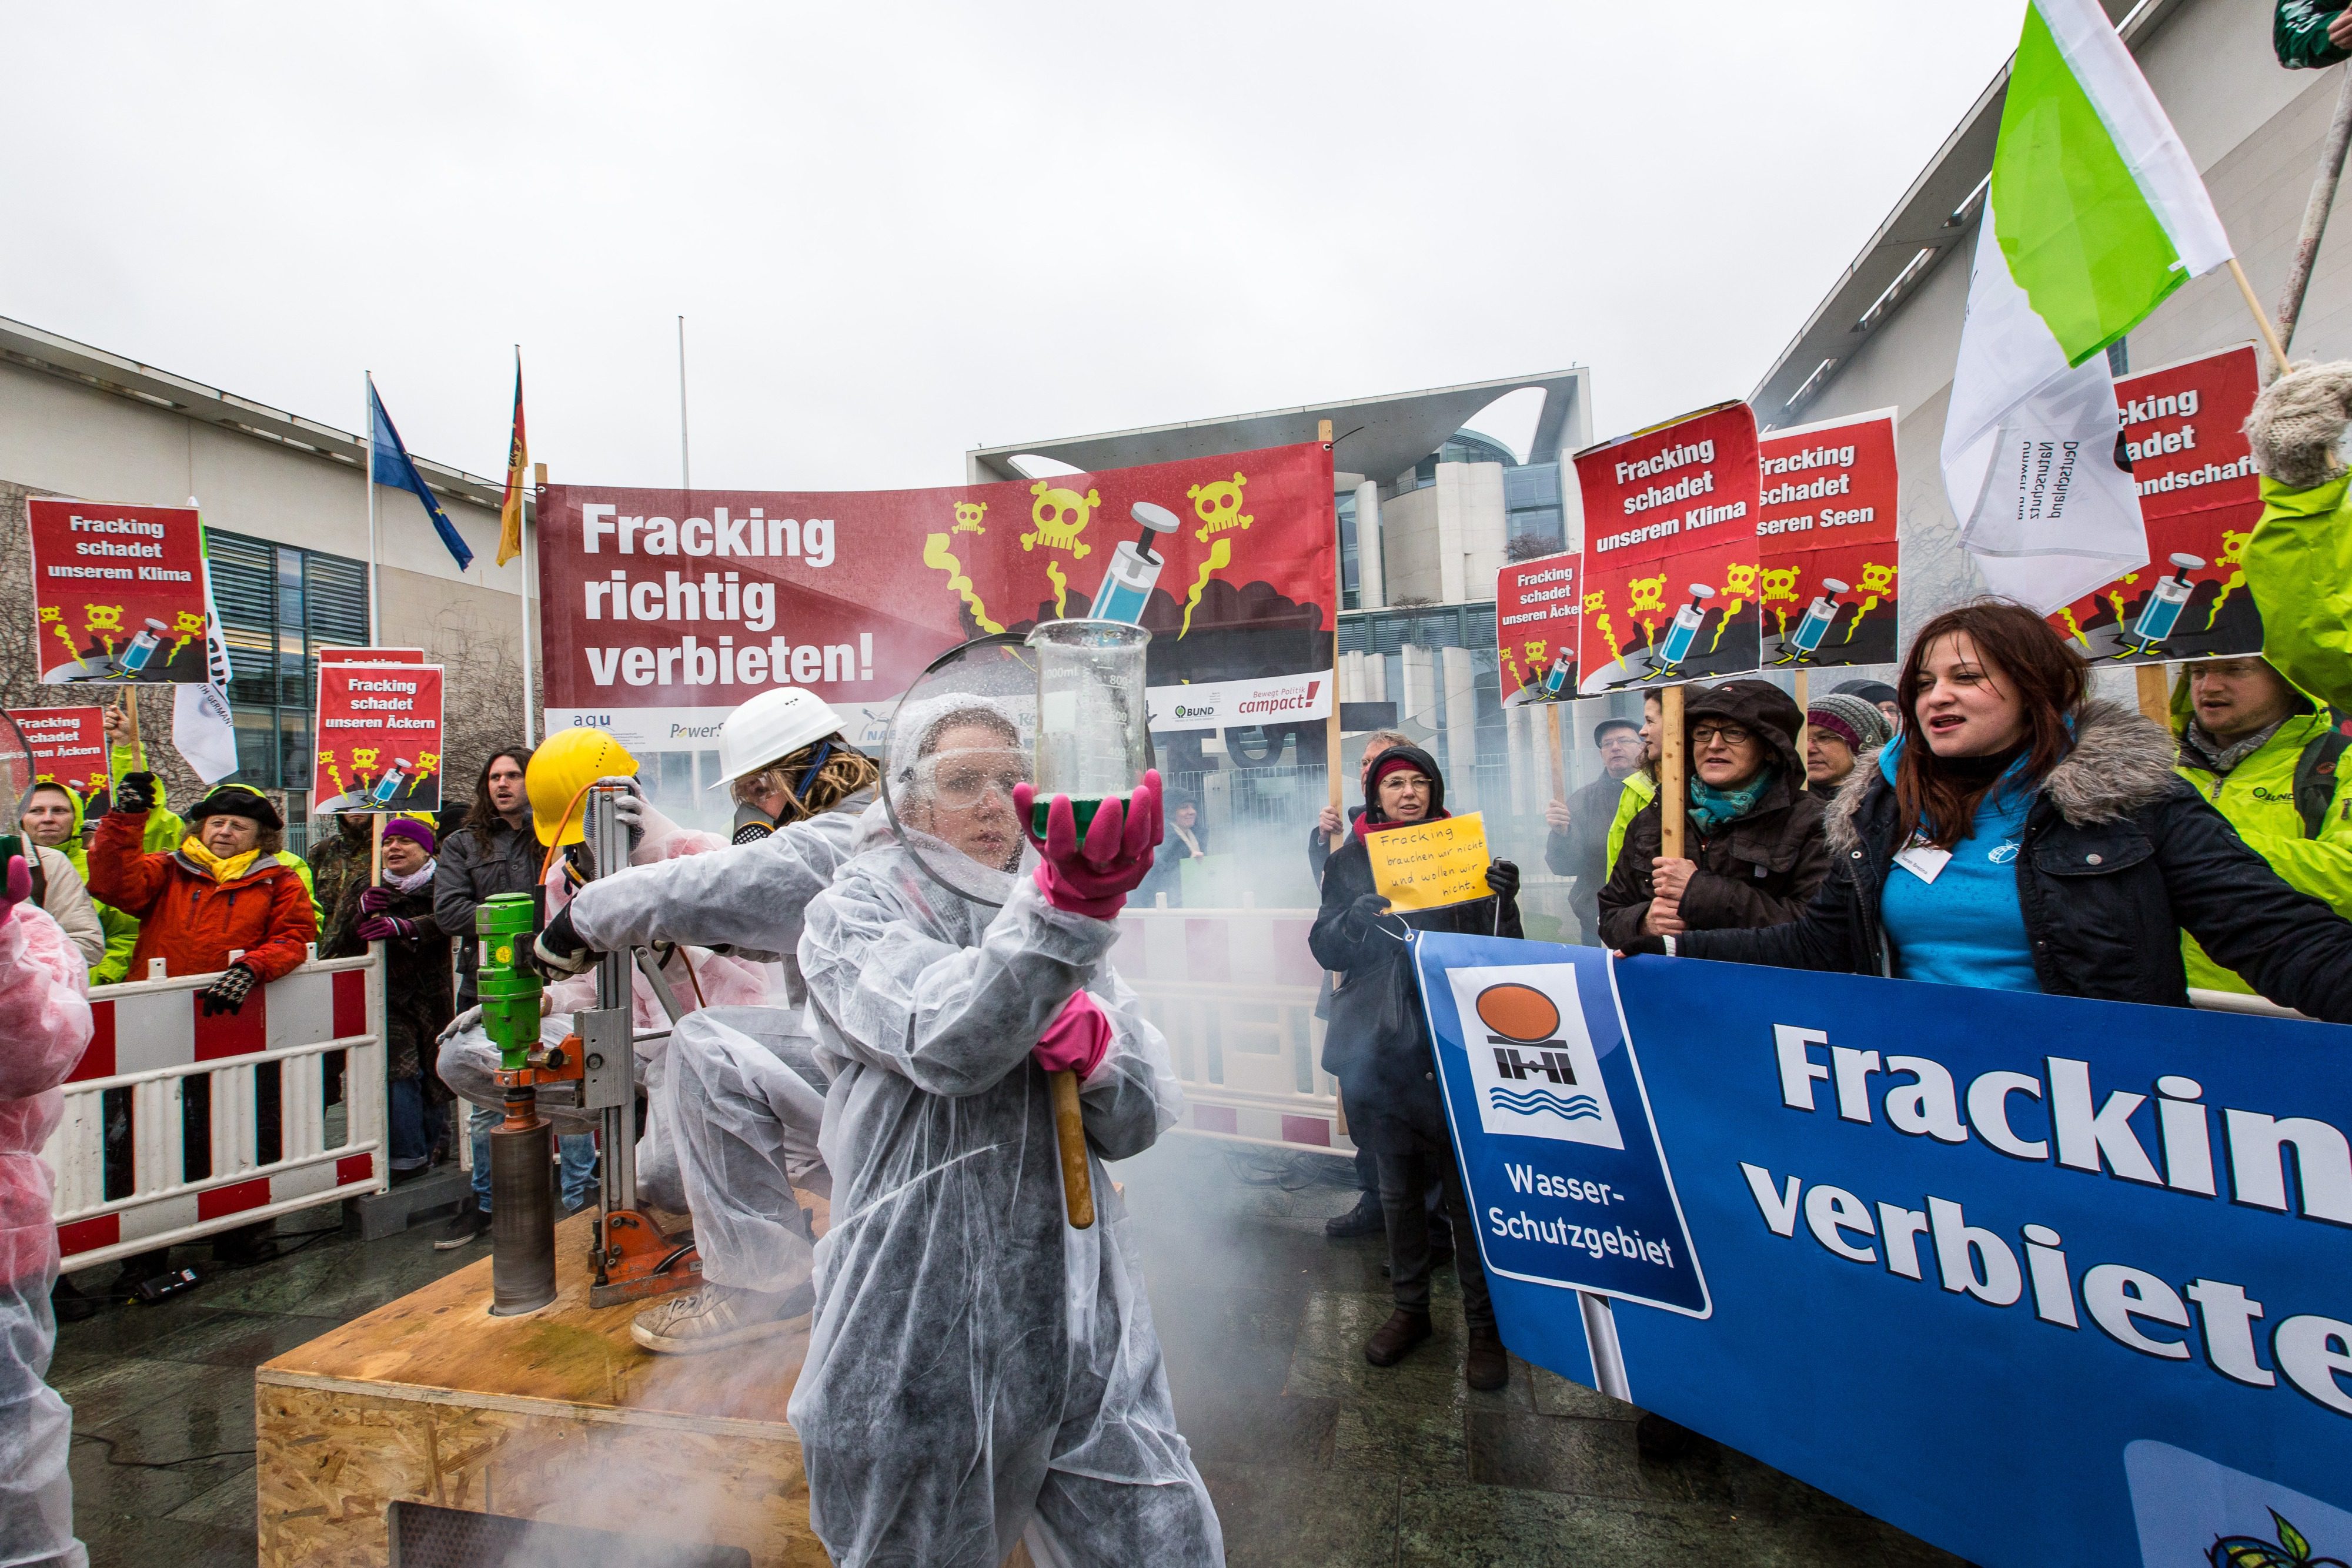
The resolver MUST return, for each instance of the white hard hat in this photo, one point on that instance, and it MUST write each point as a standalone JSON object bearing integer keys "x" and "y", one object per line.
{"x": 770, "y": 727}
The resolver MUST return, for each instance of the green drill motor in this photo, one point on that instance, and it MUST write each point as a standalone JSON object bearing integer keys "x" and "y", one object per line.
{"x": 507, "y": 987}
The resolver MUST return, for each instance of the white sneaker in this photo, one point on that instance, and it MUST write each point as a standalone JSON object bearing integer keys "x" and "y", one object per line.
{"x": 717, "y": 1317}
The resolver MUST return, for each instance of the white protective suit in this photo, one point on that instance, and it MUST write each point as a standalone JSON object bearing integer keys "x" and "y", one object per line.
{"x": 737, "y": 1090}
{"x": 44, "y": 1026}
{"x": 977, "y": 1370}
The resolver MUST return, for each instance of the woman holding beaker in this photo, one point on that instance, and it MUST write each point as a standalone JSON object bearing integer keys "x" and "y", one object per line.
{"x": 2019, "y": 836}
{"x": 1379, "y": 1050}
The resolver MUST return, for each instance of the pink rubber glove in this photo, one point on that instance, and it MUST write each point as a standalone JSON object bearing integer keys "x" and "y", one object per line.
{"x": 1076, "y": 1038}
{"x": 1094, "y": 878}
{"x": 19, "y": 886}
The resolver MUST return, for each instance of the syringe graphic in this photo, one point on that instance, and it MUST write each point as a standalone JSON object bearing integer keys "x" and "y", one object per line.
{"x": 142, "y": 647}
{"x": 1556, "y": 678}
{"x": 1819, "y": 614}
{"x": 2166, "y": 602}
{"x": 1134, "y": 567}
{"x": 389, "y": 784}
{"x": 1687, "y": 620}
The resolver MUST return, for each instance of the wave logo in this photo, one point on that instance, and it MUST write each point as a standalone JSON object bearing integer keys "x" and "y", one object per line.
{"x": 1532, "y": 1065}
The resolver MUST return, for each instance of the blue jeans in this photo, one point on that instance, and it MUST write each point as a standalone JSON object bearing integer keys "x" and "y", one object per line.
{"x": 411, "y": 1146}
{"x": 575, "y": 1157}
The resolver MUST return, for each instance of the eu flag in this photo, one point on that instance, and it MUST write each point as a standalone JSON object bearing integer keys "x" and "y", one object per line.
{"x": 393, "y": 467}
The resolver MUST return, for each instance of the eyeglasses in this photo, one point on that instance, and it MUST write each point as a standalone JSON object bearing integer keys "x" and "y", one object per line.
{"x": 1728, "y": 733}
{"x": 962, "y": 778}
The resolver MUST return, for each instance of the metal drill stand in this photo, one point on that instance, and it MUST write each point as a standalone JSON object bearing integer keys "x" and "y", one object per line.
{"x": 633, "y": 1258}
{"x": 522, "y": 1189}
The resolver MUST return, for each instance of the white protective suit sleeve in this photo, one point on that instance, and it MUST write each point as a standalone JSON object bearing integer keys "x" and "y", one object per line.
{"x": 1038, "y": 1407}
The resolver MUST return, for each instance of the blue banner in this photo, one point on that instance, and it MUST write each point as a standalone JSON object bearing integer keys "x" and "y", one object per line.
{"x": 2041, "y": 1280}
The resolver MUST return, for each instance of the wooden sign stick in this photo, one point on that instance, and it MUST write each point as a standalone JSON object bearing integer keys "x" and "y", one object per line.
{"x": 1672, "y": 795}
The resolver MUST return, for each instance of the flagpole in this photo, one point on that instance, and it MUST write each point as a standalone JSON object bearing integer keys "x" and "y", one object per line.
{"x": 684, "y": 463}
{"x": 367, "y": 476}
{"x": 524, "y": 497}
{"x": 2270, "y": 333}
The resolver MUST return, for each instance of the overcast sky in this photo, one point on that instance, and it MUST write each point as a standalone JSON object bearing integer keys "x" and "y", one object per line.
{"x": 899, "y": 231}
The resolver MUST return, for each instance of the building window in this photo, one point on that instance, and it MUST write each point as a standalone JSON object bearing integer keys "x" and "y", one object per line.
{"x": 1536, "y": 524}
{"x": 278, "y": 605}
{"x": 1351, "y": 589}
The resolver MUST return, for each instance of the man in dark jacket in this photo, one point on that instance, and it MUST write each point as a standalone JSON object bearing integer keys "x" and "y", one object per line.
{"x": 1578, "y": 844}
{"x": 1379, "y": 1048}
{"x": 1754, "y": 836}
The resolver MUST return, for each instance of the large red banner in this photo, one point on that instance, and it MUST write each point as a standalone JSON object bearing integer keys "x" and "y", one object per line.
{"x": 665, "y": 609}
{"x": 67, "y": 744}
{"x": 2184, "y": 436}
{"x": 379, "y": 739}
{"x": 1536, "y": 606}
{"x": 1670, "y": 560}
{"x": 1826, "y": 540}
{"x": 118, "y": 591}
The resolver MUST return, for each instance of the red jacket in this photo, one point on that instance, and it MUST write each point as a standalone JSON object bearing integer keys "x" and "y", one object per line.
{"x": 192, "y": 922}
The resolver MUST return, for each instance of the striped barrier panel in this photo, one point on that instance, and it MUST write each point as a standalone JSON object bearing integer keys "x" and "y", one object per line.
{"x": 1234, "y": 992}
{"x": 185, "y": 1079}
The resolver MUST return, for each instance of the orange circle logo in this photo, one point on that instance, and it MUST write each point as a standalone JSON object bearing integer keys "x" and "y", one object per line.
{"x": 1519, "y": 1012}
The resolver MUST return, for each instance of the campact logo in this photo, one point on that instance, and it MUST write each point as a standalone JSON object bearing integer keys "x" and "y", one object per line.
{"x": 1532, "y": 1062}
{"x": 1281, "y": 699}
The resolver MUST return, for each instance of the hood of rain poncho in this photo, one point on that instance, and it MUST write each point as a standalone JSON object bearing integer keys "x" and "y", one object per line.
{"x": 915, "y": 730}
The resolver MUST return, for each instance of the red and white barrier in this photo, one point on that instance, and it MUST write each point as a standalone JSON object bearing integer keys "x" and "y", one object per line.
{"x": 151, "y": 1038}
{"x": 1234, "y": 990}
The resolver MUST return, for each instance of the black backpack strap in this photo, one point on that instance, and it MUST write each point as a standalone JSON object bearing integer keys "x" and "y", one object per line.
{"x": 2315, "y": 779}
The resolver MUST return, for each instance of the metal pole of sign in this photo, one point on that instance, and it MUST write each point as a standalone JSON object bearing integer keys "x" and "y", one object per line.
{"x": 1600, "y": 1339}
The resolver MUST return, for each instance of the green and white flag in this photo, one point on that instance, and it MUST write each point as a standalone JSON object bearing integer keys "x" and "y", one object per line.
{"x": 2095, "y": 213}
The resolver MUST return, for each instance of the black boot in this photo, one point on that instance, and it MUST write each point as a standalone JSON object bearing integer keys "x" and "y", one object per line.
{"x": 1485, "y": 1366}
{"x": 1364, "y": 1219}
{"x": 1391, "y": 1341}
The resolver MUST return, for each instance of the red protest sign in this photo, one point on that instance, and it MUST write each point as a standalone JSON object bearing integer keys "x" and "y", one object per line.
{"x": 1826, "y": 541}
{"x": 1670, "y": 565}
{"x": 379, "y": 739}
{"x": 2183, "y": 434}
{"x": 1536, "y": 606}
{"x": 665, "y": 609}
{"x": 371, "y": 655}
{"x": 67, "y": 744}
{"x": 118, "y": 592}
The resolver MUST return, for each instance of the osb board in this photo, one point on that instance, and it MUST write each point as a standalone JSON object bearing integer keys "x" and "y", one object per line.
{"x": 332, "y": 1462}
{"x": 441, "y": 1343}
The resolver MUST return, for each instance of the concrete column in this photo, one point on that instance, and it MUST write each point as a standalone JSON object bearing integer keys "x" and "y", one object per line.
{"x": 1372, "y": 578}
{"x": 1461, "y": 723}
{"x": 1418, "y": 703}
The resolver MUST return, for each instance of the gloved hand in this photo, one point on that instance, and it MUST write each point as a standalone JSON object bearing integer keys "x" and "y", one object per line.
{"x": 1640, "y": 945}
{"x": 227, "y": 994}
{"x": 19, "y": 887}
{"x": 1076, "y": 1038}
{"x": 628, "y": 809}
{"x": 562, "y": 950}
{"x": 1094, "y": 878}
{"x": 375, "y": 900}
{"x": 383, "y": 928}
{"x": 465, "y": 1021}
{"x": 1368, "y": 908}
{"x": 134, "y": 794}
{"x": 1503, "y": 876}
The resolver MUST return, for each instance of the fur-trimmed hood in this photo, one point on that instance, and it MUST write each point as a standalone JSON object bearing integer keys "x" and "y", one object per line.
{"x": 2120, "y": 762}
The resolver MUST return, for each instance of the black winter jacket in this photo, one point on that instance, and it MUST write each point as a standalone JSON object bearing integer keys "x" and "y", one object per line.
{"x": 473, "y": 865}
{"x": 2120, "y": 855}
{"x": 1760, "y": 870}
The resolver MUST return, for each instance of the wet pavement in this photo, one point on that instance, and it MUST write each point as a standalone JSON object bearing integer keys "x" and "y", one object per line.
{"x": 1314, "y": 1455}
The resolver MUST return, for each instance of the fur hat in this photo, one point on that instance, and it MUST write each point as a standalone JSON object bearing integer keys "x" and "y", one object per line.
{"x": 2297, "y": 423}
{"x": 237, "y": 801}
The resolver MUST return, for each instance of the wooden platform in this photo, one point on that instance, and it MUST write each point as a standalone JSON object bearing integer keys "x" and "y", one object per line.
{"x": 558, "y": 1416}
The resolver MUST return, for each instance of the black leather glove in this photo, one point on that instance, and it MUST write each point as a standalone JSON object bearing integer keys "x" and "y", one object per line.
{"x": 227, "y": 994}
{"x": 1503, "y": 876}
{"x": 560, "y": 950}
{"x": 134, "y": 794}
{"x": 1368, "y": 909}
{"x": 1644, "y": 944}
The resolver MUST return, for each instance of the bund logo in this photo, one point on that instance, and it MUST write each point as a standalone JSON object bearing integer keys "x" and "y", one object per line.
{"x": 1532, "y": 1062}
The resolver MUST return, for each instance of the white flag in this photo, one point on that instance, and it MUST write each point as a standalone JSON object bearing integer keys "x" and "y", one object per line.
{"x": 202, "y": 731}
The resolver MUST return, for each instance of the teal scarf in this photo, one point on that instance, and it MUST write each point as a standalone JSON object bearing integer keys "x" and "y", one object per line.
{"x": 1714, "y": 809}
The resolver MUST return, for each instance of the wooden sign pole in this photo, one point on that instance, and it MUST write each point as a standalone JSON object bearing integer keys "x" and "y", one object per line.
{"x": 1331, "y": 726}
{"x": 2155, "y": 693}
{"x": 1559, "y": 766}
{"x": 1672, "y": 794}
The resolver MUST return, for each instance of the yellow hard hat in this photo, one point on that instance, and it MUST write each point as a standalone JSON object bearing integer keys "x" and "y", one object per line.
{"x": 561, "y": 770}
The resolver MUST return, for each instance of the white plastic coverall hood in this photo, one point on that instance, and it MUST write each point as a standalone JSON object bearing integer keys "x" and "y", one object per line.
{"x": 977, "y": 1369}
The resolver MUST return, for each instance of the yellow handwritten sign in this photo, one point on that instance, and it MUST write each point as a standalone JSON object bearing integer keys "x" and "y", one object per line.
{"x": 1430, "y": 864}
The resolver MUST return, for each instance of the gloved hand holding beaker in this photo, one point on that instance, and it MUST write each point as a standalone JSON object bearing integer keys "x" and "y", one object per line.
{"x": 1094, "y": 875}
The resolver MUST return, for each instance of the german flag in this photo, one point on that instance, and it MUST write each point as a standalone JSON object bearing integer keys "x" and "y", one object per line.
{"x": 518, "y": 466}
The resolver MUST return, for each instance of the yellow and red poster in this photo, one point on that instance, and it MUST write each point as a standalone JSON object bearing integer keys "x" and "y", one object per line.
{"x": 67, "y": 744}
{"x": 118, "y": 592}
{"x": 1670, "y": 567}
{"x": 1536, "y": 606}
{"x": 1826, "y": 539}
{"x": 2184, "y": 437}
{"x": 379, "y": 739}
{"x": 665, "y": 609}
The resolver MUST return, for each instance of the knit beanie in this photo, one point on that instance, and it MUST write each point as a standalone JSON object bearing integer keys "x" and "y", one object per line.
{"x": 1858, "y": 723}
{"x": 409, "y": 828}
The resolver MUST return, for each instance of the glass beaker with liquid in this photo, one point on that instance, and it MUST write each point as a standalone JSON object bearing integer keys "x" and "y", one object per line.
{"x": 1134, "y": 567}
{"x": 141, "y": 647}
{"x": 1819, "y": 614}
{"x": 1687, "y": 620}
{"x": 389, "y": 784}
{"x": 1094, "y": 730}
{"x": 2167, "y": 600}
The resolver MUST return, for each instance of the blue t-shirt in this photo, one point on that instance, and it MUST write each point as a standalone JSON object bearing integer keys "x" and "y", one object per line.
{"x": 1965, "y": 928}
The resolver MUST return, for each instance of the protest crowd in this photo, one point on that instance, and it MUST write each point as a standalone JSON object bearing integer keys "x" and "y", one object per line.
{"x": 879, "y": 1054}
